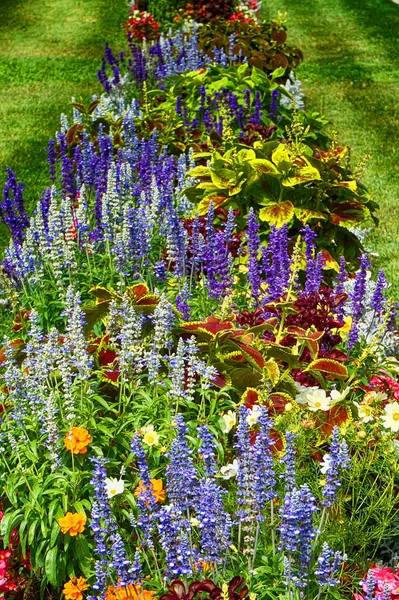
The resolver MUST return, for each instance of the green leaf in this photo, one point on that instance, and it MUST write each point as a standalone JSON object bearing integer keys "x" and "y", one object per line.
{"x": 279, "y": 72}
{"x": 50, "y": 566}
{"x": 8, "y": 523}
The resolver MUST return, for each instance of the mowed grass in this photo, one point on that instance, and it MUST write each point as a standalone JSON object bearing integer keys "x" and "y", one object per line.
{"x": 351, "y": 74}
{"x": 50, "y": 50}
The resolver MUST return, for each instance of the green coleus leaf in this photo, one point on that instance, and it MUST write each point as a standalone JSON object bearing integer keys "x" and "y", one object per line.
{"x": 262, "y": 165}
{"x": 277, "y": 214}
{"x": 302, "y": 175}
{"x": 223, "y": 178}
{"x": 305, "y": 214}
{"x": 216, "y": 199}
{"x": 200, "y": 171}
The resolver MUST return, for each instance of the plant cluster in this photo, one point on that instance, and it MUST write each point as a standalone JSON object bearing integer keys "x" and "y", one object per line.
{"x": 198, "y": 383}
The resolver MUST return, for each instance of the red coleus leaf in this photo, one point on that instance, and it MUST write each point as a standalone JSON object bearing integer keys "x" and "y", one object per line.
{"x": 255, "y": 355}
{"x": 335, "y": 416}
{"x": 331, "y": 367}
{"x": 250, "y": 397}
{"x": 278, "y": 401}
{"x": 140, "y": 294}
{"x": 211, "y": 325}
{"x": 110, "y": 375}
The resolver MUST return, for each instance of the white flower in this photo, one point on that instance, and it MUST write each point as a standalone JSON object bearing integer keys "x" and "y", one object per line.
{"x": 303, "y": 390}
{"x": 337, "y": 396}
{"x": 317, "y": 399}
{"x": 253, "y": 415}
{"x": 325, "y": 465}
{"x": 230, "y": 419}
{"x": 230, "y": 470}
{"x": 114, "y": 486}
{"x": 365, "y": 412}
{"x": 391, "y": 418}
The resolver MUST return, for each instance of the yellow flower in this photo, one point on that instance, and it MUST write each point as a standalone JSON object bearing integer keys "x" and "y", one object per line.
{"x": 72, "y": 523}
{"x": 150, "y": 436}
{"x": 77, "y": 440}
{"x": 74, "y": 587}
{"x": 343, "y": 331}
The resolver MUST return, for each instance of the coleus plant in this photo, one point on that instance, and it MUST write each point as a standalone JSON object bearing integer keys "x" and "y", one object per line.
{"x": 291, "y": 183}
{"x": 263, "y": 44}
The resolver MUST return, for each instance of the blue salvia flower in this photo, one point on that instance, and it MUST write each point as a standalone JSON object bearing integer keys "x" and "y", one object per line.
{"x": 246, "y": 494}
{"x": 337, "y": 459}
{"x": 173, "y": 537}
{"x": 265, "y": 478}
{"x": 357, "y": 298}
{"x": 146, "y": 502}
{"x": 197, "y": 369}
{"x": 307, "y": 534}
{"x": 214, "y": 522}
{"x": 329, "y": 563}
{"x": 177, "y": 370}
{"x": 207, "y": 450}
{"x": 370, "y": 586}
{"x": 181, "y": 476}
{"x": 314, "y": 261}
{"x": 297, "y": 532}
{"x": 75, "y": 345}
{"x": 289, "y": 461}
{"x": 50, "y": 429}
{"x": 103, "y": 524}
{"x": 253, "y": 247}
{"x": 340, "y": 288}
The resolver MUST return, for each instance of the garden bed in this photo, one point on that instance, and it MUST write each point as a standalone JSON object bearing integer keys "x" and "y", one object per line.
{"x": 199, "y": 372}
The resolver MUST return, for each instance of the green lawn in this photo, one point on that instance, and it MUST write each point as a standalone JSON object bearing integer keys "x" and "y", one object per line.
{"x": 351, "y": 74}
{"x": 50, "y": 50}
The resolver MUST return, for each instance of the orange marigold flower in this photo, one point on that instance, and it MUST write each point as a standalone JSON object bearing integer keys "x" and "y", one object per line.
{"x": 129, "y": 592}
{"x": 72, "y": 523}
{"x": 74, "y": 587}
{"x": 77, "y": 439}
{"x": 157, "y": 490}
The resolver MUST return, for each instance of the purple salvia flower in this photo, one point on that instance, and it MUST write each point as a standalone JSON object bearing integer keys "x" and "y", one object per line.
{"x": 378, "y": 300}
{"x": 51, "y": 159}
{"x": 274, "y": 104}
{"x": 12, "y": 210}
{"x": 253, "y": 247}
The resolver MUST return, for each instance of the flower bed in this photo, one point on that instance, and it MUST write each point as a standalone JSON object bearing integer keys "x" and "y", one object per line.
{"x": 198, "y": 377}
